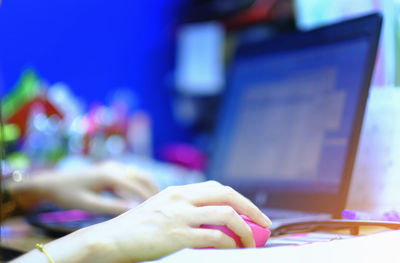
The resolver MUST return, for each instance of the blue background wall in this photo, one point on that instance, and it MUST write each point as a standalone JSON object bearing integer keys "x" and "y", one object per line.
{"x": 94, "y": 47}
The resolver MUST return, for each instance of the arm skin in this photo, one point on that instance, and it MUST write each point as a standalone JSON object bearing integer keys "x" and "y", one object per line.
{"x": 165, "y": 223}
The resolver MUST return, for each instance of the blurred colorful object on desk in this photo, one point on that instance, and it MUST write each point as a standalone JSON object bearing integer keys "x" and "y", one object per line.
{"x": 28, "y": 115}
{"x": 113, "y": 131}
{"x": 26, "y": 88}
{"x": 45, "y": 123}
{"x": 40, "y": 104}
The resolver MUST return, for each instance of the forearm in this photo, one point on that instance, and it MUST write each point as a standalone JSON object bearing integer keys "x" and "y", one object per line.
{"x": 80, "y": 246}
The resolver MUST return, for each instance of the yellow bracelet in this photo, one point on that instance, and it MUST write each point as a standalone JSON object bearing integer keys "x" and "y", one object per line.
{"x": 41, "y": 248}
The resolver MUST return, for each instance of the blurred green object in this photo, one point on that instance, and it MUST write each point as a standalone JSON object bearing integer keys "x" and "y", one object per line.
{"x": 55, "y": 155}
{"x": 11, "y": 133}
{"x": 25, "y": 90}
{"x": 18, "y": 161}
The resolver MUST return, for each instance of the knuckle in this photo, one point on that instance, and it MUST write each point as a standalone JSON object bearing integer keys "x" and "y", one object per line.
{"x": 229, "y": 190}
{"x": 228, "y": 212}
{"x": 173, "y": 193}
{"x": 176, "y": 233}
{"x": 229, "y": 193}
{"x": 175, "y": 196}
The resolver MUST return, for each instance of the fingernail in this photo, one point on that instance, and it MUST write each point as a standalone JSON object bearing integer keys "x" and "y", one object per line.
{"x": 269, "y": 223}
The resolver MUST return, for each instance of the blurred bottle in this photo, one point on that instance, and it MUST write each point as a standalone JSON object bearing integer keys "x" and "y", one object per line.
{"x": 139, "y": 134}
{"x": 60, "y": 95}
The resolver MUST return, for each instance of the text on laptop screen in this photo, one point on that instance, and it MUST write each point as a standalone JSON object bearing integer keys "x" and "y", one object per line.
{"x": 290, "y": 116}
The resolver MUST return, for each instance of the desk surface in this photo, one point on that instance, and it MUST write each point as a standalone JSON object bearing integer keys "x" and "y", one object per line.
{"x": 381, "y": 247}
{"x": 19, "y": 235}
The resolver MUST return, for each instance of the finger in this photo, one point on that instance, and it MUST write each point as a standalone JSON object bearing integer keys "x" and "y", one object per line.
{"x": 146, "y": 186}
{"x": 147, "y": 182}
{"x": 127, "y": 184}
{"x": 225, "y": 216}
{"x": 126, "y": 195}
{"x": 94, "y": 203}
{"x": 99, "y": 204}
{"x": 213, "y": 193}
{"x": 202, "y": 238}
{"x": 142, "y": 177}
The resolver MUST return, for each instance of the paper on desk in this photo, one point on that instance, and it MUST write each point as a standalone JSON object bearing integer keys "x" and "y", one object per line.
{"x": 383, "y": 247}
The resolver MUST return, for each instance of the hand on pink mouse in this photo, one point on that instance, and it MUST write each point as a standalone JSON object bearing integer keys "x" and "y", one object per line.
{"x": 171, "y": 220}
{"x": 163, "y": 224}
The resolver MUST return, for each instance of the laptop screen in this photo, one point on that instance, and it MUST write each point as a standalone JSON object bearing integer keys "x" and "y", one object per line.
{"x": 290, "y": 115}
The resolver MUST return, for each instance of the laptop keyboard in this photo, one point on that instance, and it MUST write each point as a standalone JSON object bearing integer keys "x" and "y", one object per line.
{"x": 304, "y": 238}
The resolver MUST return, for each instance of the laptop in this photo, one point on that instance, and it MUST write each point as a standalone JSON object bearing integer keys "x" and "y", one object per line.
{"x": 290, "y": 120}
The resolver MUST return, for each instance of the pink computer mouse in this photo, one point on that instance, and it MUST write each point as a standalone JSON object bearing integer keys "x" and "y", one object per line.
{"x": 260, "y": 233}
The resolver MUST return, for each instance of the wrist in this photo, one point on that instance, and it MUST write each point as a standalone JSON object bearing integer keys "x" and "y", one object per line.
{"x": 89, "y": 244}
{"x": 33, "y": 189}
{"x": 86, "y": 245}
{"x": 26, "y": 194}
